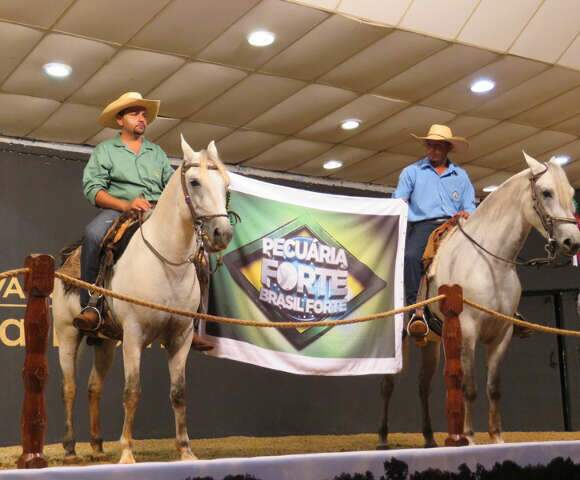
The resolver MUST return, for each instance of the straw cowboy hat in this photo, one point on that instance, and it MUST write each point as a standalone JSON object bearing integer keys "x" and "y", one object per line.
{"x": 442, "y": 133}
{"x": 108, "y": 117}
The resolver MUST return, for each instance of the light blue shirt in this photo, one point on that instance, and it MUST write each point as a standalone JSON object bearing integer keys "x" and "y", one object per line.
{"x": 431, "y": 195}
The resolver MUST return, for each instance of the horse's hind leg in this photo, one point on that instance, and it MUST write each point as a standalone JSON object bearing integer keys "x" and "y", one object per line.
{"x": 429, "y": 362}
{"x": 104, "y": 353}
{"x": 387, "y": 387}
{"x": 178, "y": 349}
{"x": 69, "y": 339}
{"x": 495, "y": 353}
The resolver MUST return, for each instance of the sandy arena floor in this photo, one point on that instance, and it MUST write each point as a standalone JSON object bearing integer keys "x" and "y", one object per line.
{"x": 164, "y": 450}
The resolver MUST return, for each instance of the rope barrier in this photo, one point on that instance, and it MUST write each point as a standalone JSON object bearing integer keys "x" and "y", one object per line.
{"x": 323, "y": 323}
{"x": 523, "y": 323}
{"x": 236, "y": 321}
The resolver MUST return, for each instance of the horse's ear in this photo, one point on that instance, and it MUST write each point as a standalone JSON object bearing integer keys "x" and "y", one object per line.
{"x": 535, "y": 166}
{"x": 212, "y": 150}
{"x": 189, "y": 154}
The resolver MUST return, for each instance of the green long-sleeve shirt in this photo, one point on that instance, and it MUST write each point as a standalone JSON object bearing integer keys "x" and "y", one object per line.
{"x": 124, "y": 174}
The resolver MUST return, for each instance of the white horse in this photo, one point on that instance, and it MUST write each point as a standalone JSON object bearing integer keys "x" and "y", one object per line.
{"x": 193, "y": 204}
{"x": 483, "y": 262}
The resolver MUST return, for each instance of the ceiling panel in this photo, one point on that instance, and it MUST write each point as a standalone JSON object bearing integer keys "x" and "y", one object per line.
{"x": 288, "y": 154}
{"x": 33, "y": 12}
{"x": 507, "y": 18}
{"x": 26, "y": 113}
{"x": 389, "y": 180}
{"x": 534, "y": 145}
{"x": 287, "y": 20}
{"x": 375, "y": 11}
{"x": 71, "y": 123}
{"x": 382, "y": 60}
{"x": 198, "y": 135}
{"x": 548, "y": 84}
{"x": 571, "y": 57}
{"x": 248, "y": 99}
{"x": 369, "y": 109}
{"x": 374, "y": 167}
{"x": 475, "y": 172}
{"x": 550, "y": 32}
{"x": 396, "y": 129}
{"x": 160, "y": 126}
{"x": 495, "y": 179}
{"x": 242, "y": 145}
{"x": 419, "y": 82}
{"x": 193, "y": 25}
{"x": 347, "y": 155}
{"x": 572, "y": 150}
{"x": 193, "y": 86}
{"x": 84, "y": 56}
{"x": 130, "y": 70}
{"x": 95, "y": 19}
{"x": 338, "y": 36}
{"x": 302, "y": 109}
{"x": 494, "y": 138}
{"x": 553, "y": 111}
{"x": 507, "y": 73}
{"x": 21, "y": 40}
{"x": 572, "y": 125}
{"x": 440, "y": 18}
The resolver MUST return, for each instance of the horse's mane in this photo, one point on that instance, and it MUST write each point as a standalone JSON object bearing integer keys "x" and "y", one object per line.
{"x": 562, "y": 185}
{"x": 206, "y": 162}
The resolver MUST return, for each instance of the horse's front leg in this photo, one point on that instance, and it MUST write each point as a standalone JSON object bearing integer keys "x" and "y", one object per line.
{"x": 387, "y": 387}
{"x": 429, "y": 362}
{"x": 132, "y": 348}
{"x": 178, "y": 348}
{"x": 469, "y": 386}
{"x": 495, "y": 353}
{"x": 104, "y": 353}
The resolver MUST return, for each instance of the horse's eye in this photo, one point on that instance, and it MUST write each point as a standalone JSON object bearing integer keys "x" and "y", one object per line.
{"x": 547, "y": 194}
{"x": 194, "y": 183}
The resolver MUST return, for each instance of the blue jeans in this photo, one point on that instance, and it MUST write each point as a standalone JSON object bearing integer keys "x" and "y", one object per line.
{"x": 417, "y": 237}
{"x": 90, "y": 253}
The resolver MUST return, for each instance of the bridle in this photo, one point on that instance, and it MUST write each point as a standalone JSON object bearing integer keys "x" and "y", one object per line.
{"x": 548, "y": 221}
{"x": 198, "y": 221}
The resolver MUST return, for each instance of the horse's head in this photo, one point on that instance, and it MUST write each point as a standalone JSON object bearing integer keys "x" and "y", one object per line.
{"x": 551, "y": 210}
{"x": 205, "y": 182}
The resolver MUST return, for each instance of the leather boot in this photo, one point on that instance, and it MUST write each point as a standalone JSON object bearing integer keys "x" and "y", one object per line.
{"x": 197, "y": 343}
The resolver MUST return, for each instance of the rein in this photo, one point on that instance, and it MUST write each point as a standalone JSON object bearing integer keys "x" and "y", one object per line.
{"x": 548, "y": 222}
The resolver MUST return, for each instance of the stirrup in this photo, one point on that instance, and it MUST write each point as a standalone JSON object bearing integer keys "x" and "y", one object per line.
{"x": 417, "y": 318}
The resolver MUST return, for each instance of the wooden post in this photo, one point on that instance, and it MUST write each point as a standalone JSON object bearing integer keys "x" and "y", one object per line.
{"x": 451, "y": 306}
{"x": 38, "y": 285}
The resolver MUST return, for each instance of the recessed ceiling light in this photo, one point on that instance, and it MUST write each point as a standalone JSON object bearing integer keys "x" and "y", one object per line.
{"x": 490, "y": 188}
{"x": 58, "y": 70}
{"x": 562, "y": 159}
{"x": 482, "y": 85}
{"x": 350, "y": 124}
{"x": 261, "y": 38}
{"x": 332, "y": 164}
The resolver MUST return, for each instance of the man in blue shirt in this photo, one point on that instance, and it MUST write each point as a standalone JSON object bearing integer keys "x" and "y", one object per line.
{"x": 435, "y": 189}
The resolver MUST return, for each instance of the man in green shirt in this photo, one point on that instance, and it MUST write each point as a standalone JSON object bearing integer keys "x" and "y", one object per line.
{"x": 125, "y": 173}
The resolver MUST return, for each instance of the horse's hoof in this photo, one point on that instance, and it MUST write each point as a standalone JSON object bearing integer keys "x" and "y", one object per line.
{"x": 71, "y": 459}
{"x": 382, "y": 446}
{"x": 127, "y": 458}
{"x": 188, "y": 456}
{"x": 98, "y": 456}
{"x": 497, "y": 439}
{"x": 430, "y": 444}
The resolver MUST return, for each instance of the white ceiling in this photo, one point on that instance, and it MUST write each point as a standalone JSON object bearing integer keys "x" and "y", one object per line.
{"x": 279, "y": 107}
